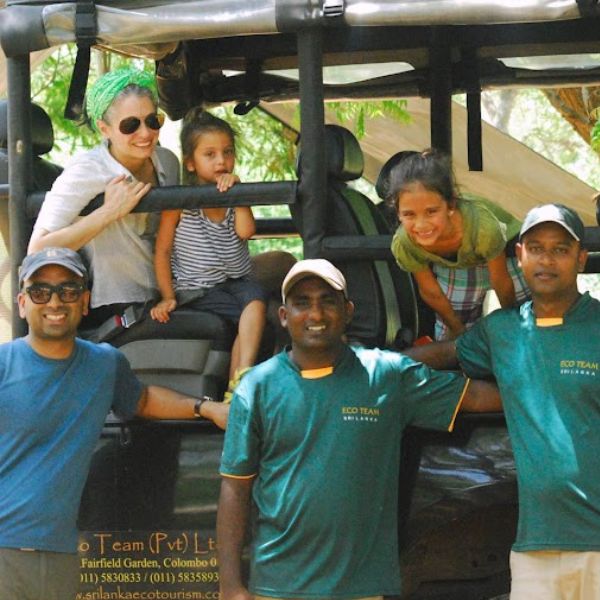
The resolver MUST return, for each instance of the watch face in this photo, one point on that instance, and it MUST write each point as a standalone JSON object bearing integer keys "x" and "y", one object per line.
{"x": 198, "y": 406}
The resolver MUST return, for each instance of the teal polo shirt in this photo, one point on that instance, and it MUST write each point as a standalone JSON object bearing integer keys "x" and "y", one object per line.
{"x": 549, "y": 379}
{"x": 325, "y": 453}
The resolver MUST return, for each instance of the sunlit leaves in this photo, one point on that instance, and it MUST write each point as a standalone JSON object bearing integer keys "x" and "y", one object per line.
{"x": 358, "y": 113}
{"x": 265, "y": 148}
{"x": 595, "y": 137}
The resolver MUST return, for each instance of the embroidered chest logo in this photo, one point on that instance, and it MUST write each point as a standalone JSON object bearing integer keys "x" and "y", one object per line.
{"x": 586, "y": 368}
{"x": 360, "y": 413}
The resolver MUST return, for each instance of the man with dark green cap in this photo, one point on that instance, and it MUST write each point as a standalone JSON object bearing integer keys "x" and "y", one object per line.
{"x": 545, "y": 356}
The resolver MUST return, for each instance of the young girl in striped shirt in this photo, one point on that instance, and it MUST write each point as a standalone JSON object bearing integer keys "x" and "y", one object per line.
{"x": 202, "y": 260}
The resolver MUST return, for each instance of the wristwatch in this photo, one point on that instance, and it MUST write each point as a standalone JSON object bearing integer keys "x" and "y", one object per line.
{"x": 198, "y": 406}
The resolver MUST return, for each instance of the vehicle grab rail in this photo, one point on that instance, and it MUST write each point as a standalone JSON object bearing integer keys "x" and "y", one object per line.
{"x": 194, "y": 196}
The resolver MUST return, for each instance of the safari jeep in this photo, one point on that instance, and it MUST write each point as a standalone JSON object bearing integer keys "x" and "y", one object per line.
{"x": 147, "y": 518}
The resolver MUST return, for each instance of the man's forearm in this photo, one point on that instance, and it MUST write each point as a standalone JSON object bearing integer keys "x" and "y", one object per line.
{"x": 159, "y": 402}
{"x": 232, "y": 524}
{"x": 437, "y": 355}
{"x": 481, "y": 396}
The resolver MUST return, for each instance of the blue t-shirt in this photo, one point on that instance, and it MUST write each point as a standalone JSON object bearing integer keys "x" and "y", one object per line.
{"x": 326, "y": 454}
{"x": 51, "y": 416}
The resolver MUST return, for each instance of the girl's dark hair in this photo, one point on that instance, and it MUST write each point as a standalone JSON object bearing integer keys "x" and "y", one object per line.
{"x": 196, "y": 123}
{"x": 431, "y": 168}
{"x": 382, "y": 186}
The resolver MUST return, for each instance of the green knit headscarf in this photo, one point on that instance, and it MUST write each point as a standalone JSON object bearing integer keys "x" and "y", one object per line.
{"x": 104, "y": 91}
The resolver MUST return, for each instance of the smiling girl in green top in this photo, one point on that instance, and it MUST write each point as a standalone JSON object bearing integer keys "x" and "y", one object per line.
{"x": 453, "y": 244}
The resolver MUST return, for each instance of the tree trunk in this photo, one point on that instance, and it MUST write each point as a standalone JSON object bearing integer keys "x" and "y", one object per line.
{"x": 576, "y": 105}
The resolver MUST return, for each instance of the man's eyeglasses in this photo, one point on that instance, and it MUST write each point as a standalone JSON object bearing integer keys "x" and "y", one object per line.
{"x": 130, "y": 125}
{"x": 40, "y": 293}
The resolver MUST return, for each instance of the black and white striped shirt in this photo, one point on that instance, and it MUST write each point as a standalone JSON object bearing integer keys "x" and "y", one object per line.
{"x": 207, "y": 253}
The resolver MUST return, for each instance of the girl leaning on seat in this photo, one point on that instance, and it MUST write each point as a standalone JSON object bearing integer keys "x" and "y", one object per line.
{"x": 454, "y": 244}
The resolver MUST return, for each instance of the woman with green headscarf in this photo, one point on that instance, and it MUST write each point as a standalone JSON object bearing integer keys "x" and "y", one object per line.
{"x": 118, "y": 244}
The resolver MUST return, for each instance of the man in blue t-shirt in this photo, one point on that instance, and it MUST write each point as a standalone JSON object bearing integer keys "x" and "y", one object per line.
{"x": 545, "y": 356}
{"x": 55, "y": 393}
{"x": 313, "y": 444}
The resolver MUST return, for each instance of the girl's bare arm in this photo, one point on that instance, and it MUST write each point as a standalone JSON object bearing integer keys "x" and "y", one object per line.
{"x": 162, "y": 265}
{"x": 500, "y": 281}
{"x": 245, "y": 227}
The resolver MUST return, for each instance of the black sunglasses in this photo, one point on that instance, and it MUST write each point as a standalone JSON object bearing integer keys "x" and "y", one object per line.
{"x": 130, "y": 125}
{"x": 40, "y": 293}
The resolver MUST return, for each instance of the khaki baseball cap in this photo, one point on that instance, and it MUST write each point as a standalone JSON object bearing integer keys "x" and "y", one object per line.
{"x": 314, "y": 267}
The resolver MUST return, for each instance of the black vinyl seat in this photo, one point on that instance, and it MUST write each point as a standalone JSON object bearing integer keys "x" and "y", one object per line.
{"x": 190, "y": 353}
{"x": 42, "y": 140}
{"x": 44, "y": 172}
{"x": 386, "y": 313}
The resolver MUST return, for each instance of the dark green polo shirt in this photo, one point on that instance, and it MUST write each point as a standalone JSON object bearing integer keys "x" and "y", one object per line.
{"x": 549, "y": 379}
{"x": 326, "y": 454}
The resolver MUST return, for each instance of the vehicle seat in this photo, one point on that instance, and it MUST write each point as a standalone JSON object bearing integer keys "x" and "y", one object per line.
{"x": 381, "y": 187}
{"x": 384, "y": 297}
{"x": 42, "y": 140}
{"x": 190, "y": 353}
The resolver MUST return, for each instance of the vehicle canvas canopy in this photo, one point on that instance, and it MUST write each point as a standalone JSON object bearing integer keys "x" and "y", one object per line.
{"x": 125, "y": 23}
{"x": 493, "y": 44}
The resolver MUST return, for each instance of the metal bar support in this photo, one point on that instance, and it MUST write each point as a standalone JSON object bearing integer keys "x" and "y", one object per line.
{"x": 313, "y": 186}
{"x": 441, "y": 92}
{"x": 19, "y": 168}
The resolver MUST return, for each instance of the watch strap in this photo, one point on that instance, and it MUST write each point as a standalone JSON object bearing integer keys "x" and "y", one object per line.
{"x": 198, "y": 406}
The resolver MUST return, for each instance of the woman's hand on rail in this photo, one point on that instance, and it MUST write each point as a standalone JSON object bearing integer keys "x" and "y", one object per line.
{"x": 122, "y": 195}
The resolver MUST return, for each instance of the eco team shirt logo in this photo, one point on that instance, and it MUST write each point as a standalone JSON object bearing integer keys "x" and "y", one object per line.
{"x": 579, "y": 367}
{"x": 360, "y": 413}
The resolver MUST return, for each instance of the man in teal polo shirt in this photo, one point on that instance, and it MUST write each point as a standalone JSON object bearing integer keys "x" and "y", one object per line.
{"x": 313, "y": 445}
{"x": 545, "y": 357}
